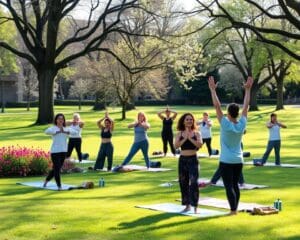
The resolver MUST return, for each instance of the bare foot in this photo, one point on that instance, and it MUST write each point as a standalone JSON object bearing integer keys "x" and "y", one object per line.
{"x": 187, "y": 208}
{"x": 45, "y": 183}
{"x": 232, "y": 213}
{"x": 195, "y": 210}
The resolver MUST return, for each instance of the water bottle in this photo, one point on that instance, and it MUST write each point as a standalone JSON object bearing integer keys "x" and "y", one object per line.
{"x": 101, "y": 182}
{"x": 276, "y": 204}
{"x": 279, "y": 204}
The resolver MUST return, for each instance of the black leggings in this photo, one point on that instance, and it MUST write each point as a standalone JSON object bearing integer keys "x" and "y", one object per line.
{"x": 75, "y": 142}
{"x": 58, "y": 161}
{"x": 208, "y": 144}
{"x": 106, "y": 150}
{"x": 230, "y": 175}
{"x": 217, "y": 176}
{"x": 167, "y": 138}
{"x": 188, "y": 180}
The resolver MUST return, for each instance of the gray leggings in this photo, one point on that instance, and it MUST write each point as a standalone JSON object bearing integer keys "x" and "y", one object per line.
{"x": 272, "y": 144}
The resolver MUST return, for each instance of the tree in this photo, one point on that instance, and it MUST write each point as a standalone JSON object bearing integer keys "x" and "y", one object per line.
{"x": 7, "y": 60}
{"x": 39, "y": 25}
{"x": 30, "y": 83}
{"x": 274, "y": 11}
{"x": 78, "y": 90}
{"x": 123, "y": 82}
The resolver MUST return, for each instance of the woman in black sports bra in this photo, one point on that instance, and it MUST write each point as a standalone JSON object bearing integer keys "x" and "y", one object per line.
{"x": 167, "y": 132}
{"x": 106, "y": 147}
{"x": 189, "y": 140}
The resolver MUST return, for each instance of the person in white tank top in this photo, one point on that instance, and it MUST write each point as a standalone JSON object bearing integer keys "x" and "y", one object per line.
{"x": 205, "y": 130}
{"x": 274, "y": 139}
{"x": 75, "y": 140}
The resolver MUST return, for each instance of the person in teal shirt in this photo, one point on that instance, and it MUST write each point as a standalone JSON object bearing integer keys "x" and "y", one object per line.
{"x": 232, "y": 130}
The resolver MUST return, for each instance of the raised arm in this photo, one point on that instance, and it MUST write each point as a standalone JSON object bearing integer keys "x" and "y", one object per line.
{"x": 99, "y": 122}
{"x": 174, "y": 115}
{"x": 247, "y": 87}
{"x": 212, "y": 87}
{"x": 111, "y": 120}
{"x": 160, "y": 114}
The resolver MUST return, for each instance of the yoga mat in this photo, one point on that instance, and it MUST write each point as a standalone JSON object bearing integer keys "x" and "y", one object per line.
{"x": 162, "y": 155}
{"x": 220, "y": 203}
{"x": 83, "y": 161}
{"x": 284, "y": 165}
{"x": 175, "y": 208}
{"x": 166, "y": 184}
{"x": 143, "y": 168}
{"x": 50, "y": 185}
{"x": 246, "y": 186}
{"x": 202, "y": 155}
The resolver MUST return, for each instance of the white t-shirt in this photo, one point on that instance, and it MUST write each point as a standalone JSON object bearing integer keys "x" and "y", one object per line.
{"x": 274, "y": 132}
{"x": 59, "y": 143}
{"x": 76, "y": 129}
{"x": 205, "y": 130}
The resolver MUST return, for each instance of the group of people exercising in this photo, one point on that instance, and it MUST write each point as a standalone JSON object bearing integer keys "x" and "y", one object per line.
{"x": 188, "y": 140}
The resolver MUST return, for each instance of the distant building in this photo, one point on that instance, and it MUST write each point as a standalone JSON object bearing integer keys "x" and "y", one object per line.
{"x": 11, "y": 88}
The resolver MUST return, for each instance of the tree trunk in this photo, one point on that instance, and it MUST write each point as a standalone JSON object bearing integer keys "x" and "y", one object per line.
{"x": 46, "y": 110}
{"x": 79, "y": 103}
{"x": 124, "y": 110}
{"x": 253, "y": 98}
{"x": 279, "y": 102}
{"x": 28, "y": 105}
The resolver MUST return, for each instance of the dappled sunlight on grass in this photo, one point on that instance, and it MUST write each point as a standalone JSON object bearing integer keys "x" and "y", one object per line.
{"x": 110, "y": 213}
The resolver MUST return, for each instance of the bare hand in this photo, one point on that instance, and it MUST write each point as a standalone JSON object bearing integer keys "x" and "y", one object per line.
{"x": 211, "y": 83}
{"x": 248, "y": 83}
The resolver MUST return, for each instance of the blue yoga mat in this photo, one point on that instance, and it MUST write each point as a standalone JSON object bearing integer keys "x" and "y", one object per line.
{"x": 50, "y": 185}
{"x": 175, "y": 208}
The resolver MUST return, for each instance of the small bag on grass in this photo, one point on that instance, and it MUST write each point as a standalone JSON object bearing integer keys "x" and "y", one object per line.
{"x": 264, "y": 211}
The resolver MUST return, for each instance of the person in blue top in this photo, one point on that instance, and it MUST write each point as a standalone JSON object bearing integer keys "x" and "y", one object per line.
{"x": 140, "y": 139}
{"x": 232, "y": 130}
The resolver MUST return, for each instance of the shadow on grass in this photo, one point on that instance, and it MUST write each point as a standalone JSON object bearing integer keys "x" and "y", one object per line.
{"x": 153, "y": 220}
{"x": 21, "y": 127}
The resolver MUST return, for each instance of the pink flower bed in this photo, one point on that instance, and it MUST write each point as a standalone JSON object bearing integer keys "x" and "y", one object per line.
{"x": 23, "y": 161}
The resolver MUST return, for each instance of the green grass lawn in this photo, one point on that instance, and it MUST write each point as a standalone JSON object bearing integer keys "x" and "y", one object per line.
{"x": 110, "y": 213}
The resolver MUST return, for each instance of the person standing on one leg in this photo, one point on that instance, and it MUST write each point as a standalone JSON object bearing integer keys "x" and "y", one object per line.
{"x": 140, "y": 139}
{"x": 232, "y": 130}
{"x": 205, "y": 129}
{"x": 59, "y": 134}
{"x": 189, "y": 140}
{"x": 274, "y": 139}
{"x": 167, "y": 132}
{"x": 106, "y": 147}
{"x": 75, "y": 141}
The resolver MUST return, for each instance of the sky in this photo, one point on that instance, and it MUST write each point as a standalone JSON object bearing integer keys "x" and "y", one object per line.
{"x": 82, "y": 11}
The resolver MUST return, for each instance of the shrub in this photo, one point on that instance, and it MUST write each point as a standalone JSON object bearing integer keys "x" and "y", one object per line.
{"x": 22, "y": 161}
